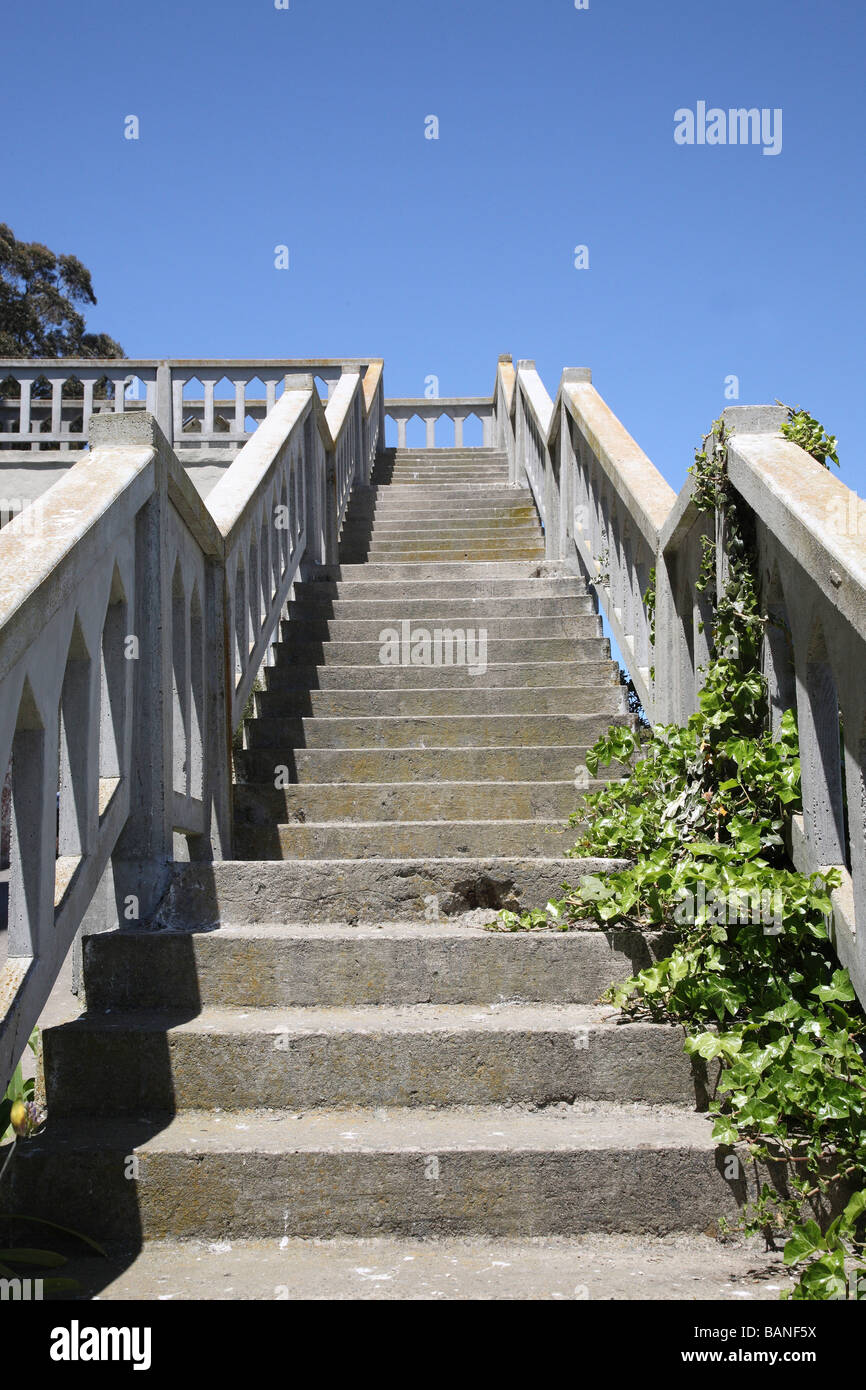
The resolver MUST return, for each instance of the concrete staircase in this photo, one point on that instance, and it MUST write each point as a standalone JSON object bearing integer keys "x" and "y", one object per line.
{"x": 322, "y": 1041}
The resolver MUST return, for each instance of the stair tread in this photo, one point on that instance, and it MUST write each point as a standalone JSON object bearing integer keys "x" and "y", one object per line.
{"x": 456, "y": 930}
{"x": 583, "y": 1126}
{"x": 307, "y": 1019}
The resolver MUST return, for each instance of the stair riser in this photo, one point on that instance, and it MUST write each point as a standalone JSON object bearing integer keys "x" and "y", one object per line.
{"x": 179, "y": 970}
{"x": 304, "y": 628}
{"x": 320, "y": 1194}
{"x": 265, "y": 806}
{"x": 386, "y": 841}
{"x": 439, "y": 573}
{"x": 384, "y": 678}
{"x": 608, "y": 699}
{"x": 159, "y": 1072}
{"x": 441, "y": 451}
{"x": 340, "y": 765}
{"x": 478, "y": 553}
{"x": 410, "y": 513}
{"x": 461, "y": 612}
{"x": 483, "y": 513}
{"x": 439, "y": 534}
{"x": 532, "y": 650}
{"x": 363, "y": 891}
{"x": 444, "y": 731}
{"x": 434, "y": 591}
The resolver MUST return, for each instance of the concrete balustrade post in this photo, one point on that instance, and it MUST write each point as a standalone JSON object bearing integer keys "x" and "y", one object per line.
{"x": 144, "y": 850}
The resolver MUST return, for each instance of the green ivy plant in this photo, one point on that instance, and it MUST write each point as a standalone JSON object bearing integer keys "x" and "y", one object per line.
{"x": 803, "y": 429}
{"x": 700, "y": 813}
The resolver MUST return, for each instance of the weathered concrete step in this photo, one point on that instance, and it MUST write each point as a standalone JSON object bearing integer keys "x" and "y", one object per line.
{"x": 377, "y": 677}
{"x": 377, "y": 1269}
{"x": 454, "y": 764}
{"x": 305, "y": 627}
{"x": 403, "y": 839}
{"x": 295, "y": 651}
{"x": 481, "y": 510}
{"x": 417, "y": 552}
{"x": 448, "y": 477}
{"x": 464, "y": 451}
{"x": 479, "y": 553}
{"x": 456, "y": 534}
{"x": 451, "y": 468}
{"x": 498, "y": 1171}
{"x": 362, "y": 890}
{"x": 442, "y": 572}
{"x": 429, "y": 590}
{"x": 328, "y": 965}
{"x": 465, "y": 470}
{"x": 460, "y": 521}
{"x": 449, "y": 494}
{"x": 380, "y": 1055}
{"x": 481, "y": 549}
{"x": 399, "y": 607}
{"x": 265, "y": 805}
{"x": 480, "y": 513}
{"x": 433, "y": 731}
{"x": 511, "y": 700}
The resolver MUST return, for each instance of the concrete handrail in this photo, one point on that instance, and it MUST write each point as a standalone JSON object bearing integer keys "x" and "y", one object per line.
{"x": 59, "y": 421}
{"x": 133, "y": 620}
{"x": 607, "y": 510}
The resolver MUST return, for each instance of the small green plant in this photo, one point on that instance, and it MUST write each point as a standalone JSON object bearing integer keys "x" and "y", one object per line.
{"x": 803, "y": 429}
{"x": 18, "y": 1098}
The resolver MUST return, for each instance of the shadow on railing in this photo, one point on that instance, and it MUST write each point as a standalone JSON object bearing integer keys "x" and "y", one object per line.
{"x": 134, "y": 618}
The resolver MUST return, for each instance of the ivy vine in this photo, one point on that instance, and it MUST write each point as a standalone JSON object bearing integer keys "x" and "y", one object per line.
{"x": 701, "y": 812}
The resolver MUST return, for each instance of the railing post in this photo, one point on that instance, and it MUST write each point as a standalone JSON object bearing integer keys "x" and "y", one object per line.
{"x": 145, "y": 846}
{"x": 163, "y": 410}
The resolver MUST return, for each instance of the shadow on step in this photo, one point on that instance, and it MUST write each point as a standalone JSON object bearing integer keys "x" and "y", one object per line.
{"x": 110, "y": 1090}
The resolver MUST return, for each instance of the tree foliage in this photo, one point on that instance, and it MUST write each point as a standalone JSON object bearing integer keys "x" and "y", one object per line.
{"x": 41, "y": 300}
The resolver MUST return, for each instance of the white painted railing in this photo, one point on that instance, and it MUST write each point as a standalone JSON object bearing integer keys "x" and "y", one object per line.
{"x": 133, "y": 621}
{"x": 607, "y": 510}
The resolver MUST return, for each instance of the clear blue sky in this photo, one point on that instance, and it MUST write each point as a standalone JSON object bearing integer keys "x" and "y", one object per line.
{"x": 305, "y": 127}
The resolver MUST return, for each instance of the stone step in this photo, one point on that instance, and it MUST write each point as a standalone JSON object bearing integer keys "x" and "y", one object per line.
{"x": 432, "y": 467}
{"x": 451, "y": 764}
{"x": 455, "y": 609}
{"x": 405, "y": 549}
{"x": 265, "y": 805}
{"x": 418, "y": 556}
{"x": 383, "y": 512}
{"x": 379, "y": 1055}
{"x": 362, "y": 890}
{"x": 305, "y": 965}
{"x": 463, "y": 451}
{"x": 454, "y": 533}
{"x": 547, "y": 627}
{"x": 429, "y": 590}
{"x": 497, "y": 1171}
{"x": 442, "y": 572}
{"x": 403, "y": 839}
{"x": 480, "y": 510}
{"x": 293, "y": 675}
{"x": 377, "y": 1269}
{"x": 431, "y": 731}
{"x": 447, "y": 477}
{"x": 511, "y": 700}
{"x": 531, "y": 650}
